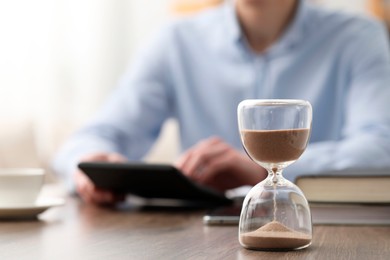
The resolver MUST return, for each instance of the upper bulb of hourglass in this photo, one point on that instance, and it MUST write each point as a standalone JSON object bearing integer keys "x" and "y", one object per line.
{"x": 275, "y": 149}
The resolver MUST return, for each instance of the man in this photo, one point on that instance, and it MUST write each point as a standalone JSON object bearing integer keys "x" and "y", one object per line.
{"x": 199, "y": 69}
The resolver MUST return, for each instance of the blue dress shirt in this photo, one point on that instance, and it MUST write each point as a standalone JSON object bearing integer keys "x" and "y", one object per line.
{"x": 199, "y": 68}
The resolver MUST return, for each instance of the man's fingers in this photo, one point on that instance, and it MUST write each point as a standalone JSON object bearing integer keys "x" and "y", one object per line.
{"x": 195, "y": 162}
{"x": 115, "y": 157}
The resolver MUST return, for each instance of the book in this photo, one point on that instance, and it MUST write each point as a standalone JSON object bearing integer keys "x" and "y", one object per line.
{"x": 350, "y": 214}
{"x": 350, "y": 186}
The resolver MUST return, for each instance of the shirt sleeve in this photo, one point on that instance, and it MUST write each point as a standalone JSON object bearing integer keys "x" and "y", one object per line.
{"x": 365, "y": 141}
{"x": 130, "y": 120}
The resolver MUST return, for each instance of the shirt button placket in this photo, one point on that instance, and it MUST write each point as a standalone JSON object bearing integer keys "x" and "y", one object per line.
{"x": 260, "y": 90}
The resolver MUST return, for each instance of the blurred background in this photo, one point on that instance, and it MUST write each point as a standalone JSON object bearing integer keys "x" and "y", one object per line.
{"x": 59, "y": 59}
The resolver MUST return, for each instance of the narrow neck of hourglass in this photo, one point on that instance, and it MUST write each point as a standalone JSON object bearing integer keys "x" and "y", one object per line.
{"x": 275, "y": 176}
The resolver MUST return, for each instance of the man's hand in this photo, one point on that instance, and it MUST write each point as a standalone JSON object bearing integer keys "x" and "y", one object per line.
{"x": 216, "y": 164}
{"x": 87, "y": 190}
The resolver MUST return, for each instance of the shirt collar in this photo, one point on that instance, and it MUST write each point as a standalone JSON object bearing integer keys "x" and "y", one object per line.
{"x": 292, "y": 35}
{"x": 233, "y": 26}
{"x": 294, "y": 32}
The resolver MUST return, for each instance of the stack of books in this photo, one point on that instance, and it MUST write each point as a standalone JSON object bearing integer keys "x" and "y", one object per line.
{"x": 349, "y": 196}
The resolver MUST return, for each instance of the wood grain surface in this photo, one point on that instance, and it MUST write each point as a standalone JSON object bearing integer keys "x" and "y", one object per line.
{"x": 79, "y": 231}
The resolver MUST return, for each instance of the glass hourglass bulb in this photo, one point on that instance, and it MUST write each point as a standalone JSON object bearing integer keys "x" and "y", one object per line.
{"x": 275, "y": 214}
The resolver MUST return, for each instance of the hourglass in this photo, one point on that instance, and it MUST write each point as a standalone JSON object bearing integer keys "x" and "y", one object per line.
{"x": 275, "y": 214}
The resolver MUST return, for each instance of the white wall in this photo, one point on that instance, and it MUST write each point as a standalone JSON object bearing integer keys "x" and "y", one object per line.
{"x": 59, "y": 60}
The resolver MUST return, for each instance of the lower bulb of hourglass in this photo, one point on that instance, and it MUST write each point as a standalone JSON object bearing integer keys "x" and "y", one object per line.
{"x": 275, "y": 217}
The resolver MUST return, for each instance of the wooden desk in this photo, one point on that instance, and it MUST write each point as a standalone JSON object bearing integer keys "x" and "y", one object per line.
{"x": 78, "y": 231}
